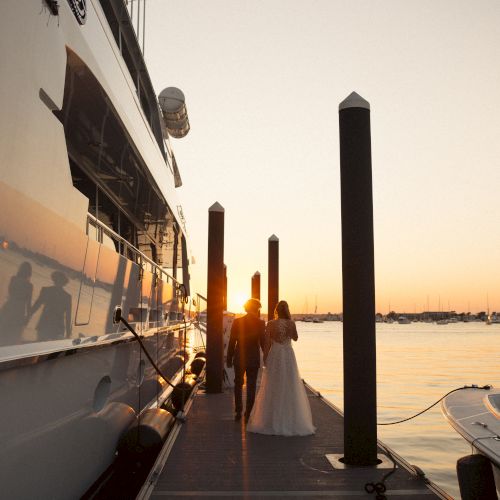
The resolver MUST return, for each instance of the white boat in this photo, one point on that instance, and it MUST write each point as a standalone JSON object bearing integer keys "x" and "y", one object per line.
{"x": 90, "y": 221}
{"x": 493, "y": 319}
{"x": 403, "y": 320}
{"x": 442, "y": 322}
{"x": 475, "y": 414}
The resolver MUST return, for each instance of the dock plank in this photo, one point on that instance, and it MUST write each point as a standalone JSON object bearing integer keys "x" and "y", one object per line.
{"x": 214, "y": 456}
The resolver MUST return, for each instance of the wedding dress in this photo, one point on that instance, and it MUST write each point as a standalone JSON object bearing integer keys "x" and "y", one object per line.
{"x": 281, "y": 406}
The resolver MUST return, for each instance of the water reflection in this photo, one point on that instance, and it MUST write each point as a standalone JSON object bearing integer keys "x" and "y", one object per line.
{"x": 55, "y": 319}
{"x": 15, "y": 313}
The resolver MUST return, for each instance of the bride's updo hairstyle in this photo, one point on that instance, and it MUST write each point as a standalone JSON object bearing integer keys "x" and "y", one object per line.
{"x": 281, "y": 311}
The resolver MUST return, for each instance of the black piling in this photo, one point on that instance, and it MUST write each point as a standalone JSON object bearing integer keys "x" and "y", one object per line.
{"x": 358, "y": 283}
{"x": 256, "y": 285}
{"x": 224, "y": 296}
{"x": 273, "y": 275}
{"x": 215, "y": 299}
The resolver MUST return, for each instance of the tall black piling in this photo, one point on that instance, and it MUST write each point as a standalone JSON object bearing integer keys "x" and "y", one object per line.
{"x": 358, "y": 283}
{"x": 273, "y": 275}
{"x": 215, "y": 299}
{"x": 256, "y": 285}
{"x": 224, "y": 295}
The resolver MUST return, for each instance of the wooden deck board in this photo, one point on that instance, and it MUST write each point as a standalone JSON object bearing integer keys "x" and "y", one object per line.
{"x": 213, "y": 456}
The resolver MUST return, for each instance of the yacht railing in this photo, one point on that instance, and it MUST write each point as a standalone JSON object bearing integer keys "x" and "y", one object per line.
{"x": 137, "y": 12}
{"x": 125, "y": 248}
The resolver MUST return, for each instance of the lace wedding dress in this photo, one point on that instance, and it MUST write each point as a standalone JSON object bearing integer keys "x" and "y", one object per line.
{"x": 281, "y": 406}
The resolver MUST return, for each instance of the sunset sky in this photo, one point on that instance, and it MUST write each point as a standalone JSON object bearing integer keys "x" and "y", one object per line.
{"x": 263, "y": 80}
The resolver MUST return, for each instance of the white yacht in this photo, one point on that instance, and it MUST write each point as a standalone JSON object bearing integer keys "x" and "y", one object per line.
{"x": 89, "y": 222}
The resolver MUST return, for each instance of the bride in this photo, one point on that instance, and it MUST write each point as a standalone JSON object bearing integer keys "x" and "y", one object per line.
{"x": 281, "y": 406}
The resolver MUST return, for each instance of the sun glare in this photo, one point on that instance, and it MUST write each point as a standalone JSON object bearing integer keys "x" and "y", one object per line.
{"x": 236, "y": 302}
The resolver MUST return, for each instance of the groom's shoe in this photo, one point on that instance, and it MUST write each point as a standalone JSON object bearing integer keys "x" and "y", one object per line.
{"x": 237, "y": 416}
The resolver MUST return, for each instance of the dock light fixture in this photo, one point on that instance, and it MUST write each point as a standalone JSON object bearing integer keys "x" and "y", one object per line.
{"x": 173, "y": 106}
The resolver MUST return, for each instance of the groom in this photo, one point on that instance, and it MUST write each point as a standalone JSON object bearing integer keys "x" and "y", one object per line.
{"x": 246, "y": 340}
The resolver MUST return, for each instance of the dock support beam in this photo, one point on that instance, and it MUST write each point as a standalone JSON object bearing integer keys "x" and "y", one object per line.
{"x": 215, "y": 299}
{"x": 224, "y": 296}
{"x": 358, "y": 283}
{"x": 256, "y": 285}
{"x": 273, "y": 275}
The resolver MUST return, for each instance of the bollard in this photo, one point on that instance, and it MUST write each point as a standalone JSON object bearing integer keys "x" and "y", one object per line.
{"x": 273, "y": 275}
{"x": 215, "y": 293}
{"x": 358, "y": 283}
{"x": 256, "y": 286}
{"x": 475, "y": 478}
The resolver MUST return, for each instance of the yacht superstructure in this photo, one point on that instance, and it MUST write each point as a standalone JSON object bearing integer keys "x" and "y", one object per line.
{"x": 89, "y": 221}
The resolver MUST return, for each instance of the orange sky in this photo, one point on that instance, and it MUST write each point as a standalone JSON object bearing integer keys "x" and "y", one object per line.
{"x": 262, "y": 89}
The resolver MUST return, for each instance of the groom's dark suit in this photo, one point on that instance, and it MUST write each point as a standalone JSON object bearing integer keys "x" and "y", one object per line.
{"x": 246, "y": 340}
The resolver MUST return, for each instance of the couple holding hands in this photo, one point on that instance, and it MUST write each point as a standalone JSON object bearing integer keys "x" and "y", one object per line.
{"x": 281, "y": 406}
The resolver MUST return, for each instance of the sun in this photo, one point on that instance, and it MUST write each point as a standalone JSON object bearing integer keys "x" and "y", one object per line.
{"x": 236, "y": 301}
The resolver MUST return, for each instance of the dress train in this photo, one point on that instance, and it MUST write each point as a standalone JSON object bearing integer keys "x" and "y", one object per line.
{"x": 281, "y": 406}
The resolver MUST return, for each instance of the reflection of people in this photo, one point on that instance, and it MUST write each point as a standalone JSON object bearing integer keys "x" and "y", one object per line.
{"x": 55, "y": 319}
{"x": 281, "y": 406}
{"x": 247, "y": 334}
{"x": 15, "y": 312}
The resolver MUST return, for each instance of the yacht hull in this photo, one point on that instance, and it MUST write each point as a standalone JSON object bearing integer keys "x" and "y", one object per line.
{"x": 72, "y": 381}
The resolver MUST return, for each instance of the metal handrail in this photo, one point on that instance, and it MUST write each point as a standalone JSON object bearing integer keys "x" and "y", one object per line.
{"x": 128, "y": 246}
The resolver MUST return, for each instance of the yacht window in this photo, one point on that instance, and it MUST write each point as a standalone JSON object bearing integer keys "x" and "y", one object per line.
{"x": 107, "y": 167}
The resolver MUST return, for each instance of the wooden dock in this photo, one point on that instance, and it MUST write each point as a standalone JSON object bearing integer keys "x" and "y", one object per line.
{"x": 211, "y": 455}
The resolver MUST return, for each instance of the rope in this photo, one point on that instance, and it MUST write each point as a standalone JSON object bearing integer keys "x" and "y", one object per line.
{"x": 119, "y": 317}
{"x": 380, "y": 488}
{"x": 485, "y": 387}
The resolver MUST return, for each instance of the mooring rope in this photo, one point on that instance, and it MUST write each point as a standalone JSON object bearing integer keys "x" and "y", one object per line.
{"x": 484, "y": 387}
{"x": 379, "y": 488}
{"x": 119, "y": 317}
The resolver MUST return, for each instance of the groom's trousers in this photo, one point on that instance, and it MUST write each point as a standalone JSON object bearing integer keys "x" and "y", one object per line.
{"x": 251, "y": 373}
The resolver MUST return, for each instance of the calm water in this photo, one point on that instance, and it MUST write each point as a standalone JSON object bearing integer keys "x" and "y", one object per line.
{"x": 416, "y": 365}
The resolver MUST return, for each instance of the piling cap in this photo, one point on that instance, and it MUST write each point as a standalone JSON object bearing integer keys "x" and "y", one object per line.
{"x": 354, "y": 100}
{"x": 256, "y": 273}
{"x": 273, "y": 237}
{"x": 216, "y": 207}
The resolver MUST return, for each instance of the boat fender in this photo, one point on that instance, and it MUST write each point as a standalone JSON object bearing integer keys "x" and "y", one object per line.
{"x": 145, "y": 436}
{"x": 178, "y": 360}
{"x": 197, "y": 365}
{"x": 200, "y": 354}
{"x": 184, "y": 355}
{"x": 181, "y": 392}
{"x": 475, "y": 478}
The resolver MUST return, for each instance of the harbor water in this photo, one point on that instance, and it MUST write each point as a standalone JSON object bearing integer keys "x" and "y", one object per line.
{"x": 417, "y": 364}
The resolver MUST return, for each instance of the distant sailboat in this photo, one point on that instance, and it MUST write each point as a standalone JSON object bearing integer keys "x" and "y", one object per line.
{"x": 306, "y": 318}
{"x": 316, "y": 319}
{"x": 488, "y": 317}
